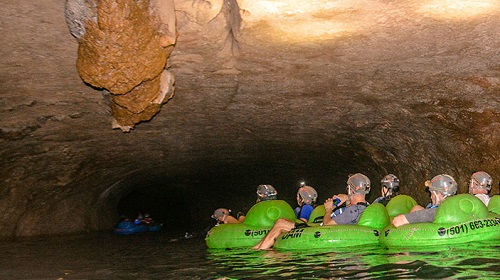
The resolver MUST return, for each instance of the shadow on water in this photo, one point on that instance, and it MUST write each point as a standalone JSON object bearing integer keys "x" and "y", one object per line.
{"x": 161, "y": 256}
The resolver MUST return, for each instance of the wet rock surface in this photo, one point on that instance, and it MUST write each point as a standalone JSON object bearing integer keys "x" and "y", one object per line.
{"x": 274, "y": 94}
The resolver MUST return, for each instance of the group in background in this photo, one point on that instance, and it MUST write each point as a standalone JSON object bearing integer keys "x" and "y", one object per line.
{"x": 140, "y": 219}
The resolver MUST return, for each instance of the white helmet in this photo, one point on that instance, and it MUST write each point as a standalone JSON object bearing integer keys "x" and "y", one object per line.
{"x": 266, "y": 192}
{"x": 391, "y": 182}
{"x": 443, "y": 183}
{"x": 221, "y": 212}
{"x": 308, "y": 195}
{"x": 481, "y": 180}
{"x": 358, "y": 183}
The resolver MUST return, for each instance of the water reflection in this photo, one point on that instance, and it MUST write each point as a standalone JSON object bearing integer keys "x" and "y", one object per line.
{"x": 462, "y": 261}
{"x": 105, "y": 256}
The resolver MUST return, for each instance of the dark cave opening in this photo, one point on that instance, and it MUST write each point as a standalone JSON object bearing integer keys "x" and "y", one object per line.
{"x": 168, "y": 205}
{"x": 157, "y": 204}
{"x": 184, "y": 200}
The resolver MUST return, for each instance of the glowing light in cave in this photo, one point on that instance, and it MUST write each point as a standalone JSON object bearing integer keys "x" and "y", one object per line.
{"x": 295, "y": 20}
{"x": 458, "y": 9}
{"x": 290, "y": 7}
{"x": 315, "y": 20}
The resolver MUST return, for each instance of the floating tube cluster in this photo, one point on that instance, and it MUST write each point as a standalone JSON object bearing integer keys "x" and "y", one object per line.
{"x": 459, "y": 219}
{"x": 128, "y": 228}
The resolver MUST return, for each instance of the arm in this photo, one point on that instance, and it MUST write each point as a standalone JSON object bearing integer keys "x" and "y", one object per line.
{"x": 416, "y": 208}
{"x": 422, "y": 216}
{"x": 231, "y": 220}
{"x": 327, "y": 219}
{"x": 399, "y": 220}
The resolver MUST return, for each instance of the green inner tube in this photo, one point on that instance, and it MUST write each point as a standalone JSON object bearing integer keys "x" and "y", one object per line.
{"x": 400, "y": 204}
{"x": 258, "y": 221}
{"x": 371, "y": 222}
{"x": 494, "y": 205}
{"x": 459, "y": 219}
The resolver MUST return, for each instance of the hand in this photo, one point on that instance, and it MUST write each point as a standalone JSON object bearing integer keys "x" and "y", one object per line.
{"x": 343, "y": 198}
{"x": 328, "y": 204}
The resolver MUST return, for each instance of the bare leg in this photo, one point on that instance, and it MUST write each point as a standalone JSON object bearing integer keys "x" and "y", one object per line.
{"x": 282, "y": 225}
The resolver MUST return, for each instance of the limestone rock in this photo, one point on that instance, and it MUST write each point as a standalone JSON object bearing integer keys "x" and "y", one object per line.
{"x": 77, "y": 12}
{"x": 124, "y": 51}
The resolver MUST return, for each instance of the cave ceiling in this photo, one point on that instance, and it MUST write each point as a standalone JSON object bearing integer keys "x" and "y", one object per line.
{"x": 276, "y": 92}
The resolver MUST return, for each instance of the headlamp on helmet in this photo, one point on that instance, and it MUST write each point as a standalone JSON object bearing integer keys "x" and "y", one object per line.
{"x": 391, "y": 182}
{"x": 308, "y": 195}
{"x": 266, "y": 192}
{"x": 358, "y": 183}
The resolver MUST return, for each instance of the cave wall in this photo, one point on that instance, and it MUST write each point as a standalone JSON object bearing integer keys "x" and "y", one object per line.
{"x": 369, "y": 86}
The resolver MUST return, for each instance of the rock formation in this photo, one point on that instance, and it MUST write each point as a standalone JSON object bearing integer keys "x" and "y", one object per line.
{"x": 123, "y": 49}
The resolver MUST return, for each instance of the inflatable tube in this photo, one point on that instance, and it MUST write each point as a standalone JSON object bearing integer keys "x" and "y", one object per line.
{"x": 400, "y": 204}
{"x": 373, "y": 219}
{"x": 459, "y": 219}
{"x": 494, "y": 204}
{"x": 127, "y": 228}
{"x": 154, "y": 227}
{"x": 258, "y": 221}
{"x": 317, "y": 215}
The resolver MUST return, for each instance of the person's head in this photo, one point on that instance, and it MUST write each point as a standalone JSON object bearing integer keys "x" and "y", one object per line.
{"x": 220, "y": 214}
{"x": 358, "y": 185}
{"x": 441, "y": 187}
{"x": 306, "y": 195}
{"x": 480, "y": 182}
{"x": 266, "y": 192}
{"x": 390, "y": 185}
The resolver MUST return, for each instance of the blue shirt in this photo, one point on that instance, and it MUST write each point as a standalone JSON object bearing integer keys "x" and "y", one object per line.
{"x": 304, "y": 212}
{"x": 430, "y": 206}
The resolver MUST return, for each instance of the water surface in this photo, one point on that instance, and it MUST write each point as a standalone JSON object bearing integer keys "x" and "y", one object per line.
{"x": 162, "y": 256}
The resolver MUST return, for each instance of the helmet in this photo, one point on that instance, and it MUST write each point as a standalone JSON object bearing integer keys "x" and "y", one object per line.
{"x": 391, "y": 182}
{"x": 308, "y": 195}
{"x": 220, "y": 213}
{"x": 359, "y": 183}
{"x": 481, "y": 180}
{"x": 266, "y": 192}
{"x": 444, "y": 184}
